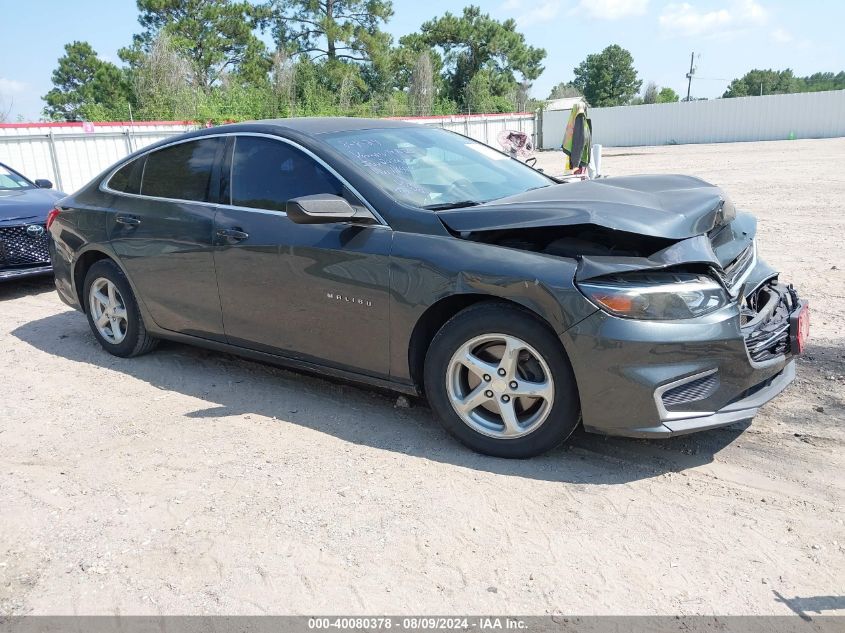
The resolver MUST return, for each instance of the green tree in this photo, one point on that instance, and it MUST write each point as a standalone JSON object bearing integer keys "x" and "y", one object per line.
{"x": 345, "y": 36}
{"x": 650, "y": 94}
{"x": 473, "y": 42}
{"x": 336, "y": 29}
{"x": 667, "y": 95}
{"x": 163, "y": 83}
{"x": 405, "y": 57}
{"x": 608, "y": 78}
{"x": 283, "y": 85}
{"x": 86, "y": 87}
{"x": 822, "y": 81}
{"x": 254, "y": 66}
{"x": 421, "y": 89}
{"x": 564, "y": 90}
{"x": 5, "y": 108}
{"x": 216, "y": 36}
{"x": 767, "y": 82}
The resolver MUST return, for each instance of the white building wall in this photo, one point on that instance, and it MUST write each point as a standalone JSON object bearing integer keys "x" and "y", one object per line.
{"x": 768, "y": 118}
{"x": 553, "y": 126}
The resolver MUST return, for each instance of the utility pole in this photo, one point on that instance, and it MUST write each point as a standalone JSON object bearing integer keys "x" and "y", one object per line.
{"x": 690, "y": 74}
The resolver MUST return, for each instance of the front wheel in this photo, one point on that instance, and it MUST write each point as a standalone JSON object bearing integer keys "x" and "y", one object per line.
{"x": 501, "y": 383}
{"x": 113, "y": 312}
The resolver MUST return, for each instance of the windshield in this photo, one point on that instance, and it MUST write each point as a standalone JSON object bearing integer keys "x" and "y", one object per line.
{"x": 435, "y": 169}
{"x": 12, "y": 180}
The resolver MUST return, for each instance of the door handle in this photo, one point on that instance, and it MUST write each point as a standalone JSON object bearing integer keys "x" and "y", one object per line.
{"x": 234, "y": 235}
{"x": 128, "y": 220}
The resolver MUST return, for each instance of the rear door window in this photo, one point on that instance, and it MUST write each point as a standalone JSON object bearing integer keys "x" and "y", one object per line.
{"x": 183, "y": 171}
{"x": 267, "y": 173}
{"x": 127, "y": 179}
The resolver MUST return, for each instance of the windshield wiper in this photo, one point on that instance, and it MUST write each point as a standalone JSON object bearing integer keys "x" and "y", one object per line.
{"x": 452, "y": 205}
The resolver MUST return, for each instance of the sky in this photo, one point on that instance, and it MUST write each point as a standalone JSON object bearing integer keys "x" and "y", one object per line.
{"x": 729, "y": 37}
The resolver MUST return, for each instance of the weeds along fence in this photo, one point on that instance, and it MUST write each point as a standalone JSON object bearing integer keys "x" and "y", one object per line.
{"x": 71, "y": 154}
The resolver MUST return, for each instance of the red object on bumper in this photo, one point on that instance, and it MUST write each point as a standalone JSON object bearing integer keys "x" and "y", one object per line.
{"x": 799, "y": 325}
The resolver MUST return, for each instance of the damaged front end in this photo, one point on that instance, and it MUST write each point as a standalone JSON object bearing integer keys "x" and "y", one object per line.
{"x": 612, "y": 264}
{"x": 774, "y": 322}
{"x": 691, "y": 330}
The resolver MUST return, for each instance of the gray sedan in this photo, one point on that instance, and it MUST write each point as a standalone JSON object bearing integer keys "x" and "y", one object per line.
{"x": 421, "y": 261}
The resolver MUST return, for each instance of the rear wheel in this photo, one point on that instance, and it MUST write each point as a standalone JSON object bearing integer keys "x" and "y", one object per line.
{"x": 113, "y": 312}
{"x": 500, "y": 382}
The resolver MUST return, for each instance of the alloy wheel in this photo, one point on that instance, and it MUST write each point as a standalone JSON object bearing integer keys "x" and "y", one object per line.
{"x": 500, "y": 386}
{"x": 108, "y": 310}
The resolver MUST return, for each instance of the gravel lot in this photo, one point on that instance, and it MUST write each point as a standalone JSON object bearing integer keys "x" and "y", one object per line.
{"x": 191, "y": 482}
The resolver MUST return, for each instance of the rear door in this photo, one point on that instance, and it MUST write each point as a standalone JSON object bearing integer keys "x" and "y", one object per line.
{"x": 162, "y": 229}
{"x": 314, "y": 292}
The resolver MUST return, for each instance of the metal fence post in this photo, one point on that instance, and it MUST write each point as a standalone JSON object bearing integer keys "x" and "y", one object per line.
{"x": 538, "y": 128}
{"x": 55, "y": 160}
{"x": 128, "y": 134}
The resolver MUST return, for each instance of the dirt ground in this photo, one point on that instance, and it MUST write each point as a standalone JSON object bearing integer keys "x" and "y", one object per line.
{"x": 192, "y": 482}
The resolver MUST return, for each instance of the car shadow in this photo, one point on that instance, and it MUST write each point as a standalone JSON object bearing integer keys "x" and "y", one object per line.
{"x": 234, "y": 386}
{"x": 16, "y": 288}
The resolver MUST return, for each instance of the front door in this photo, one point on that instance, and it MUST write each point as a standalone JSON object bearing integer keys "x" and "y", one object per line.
{"x": 164, "y": 236}
{"x": 318, "y": 293}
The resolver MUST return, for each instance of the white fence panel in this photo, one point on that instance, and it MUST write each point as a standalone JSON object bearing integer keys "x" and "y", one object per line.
{"x": 71, "y": 154}
{"x": 482, "y": 127}
{"x": 767, "y": 118}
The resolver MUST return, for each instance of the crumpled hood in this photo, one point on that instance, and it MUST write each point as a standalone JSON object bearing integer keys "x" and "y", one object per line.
{"x": 667, "y": 206}
{"x": 27, "y": 205}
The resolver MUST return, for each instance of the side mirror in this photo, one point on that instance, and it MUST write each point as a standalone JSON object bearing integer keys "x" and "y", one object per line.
{"x": 43, "y": 183}
{"x": 325, "y": 208}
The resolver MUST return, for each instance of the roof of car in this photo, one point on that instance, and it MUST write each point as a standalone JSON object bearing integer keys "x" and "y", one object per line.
{"x": 325, "y": 125}
{"x": 305, "y": 126}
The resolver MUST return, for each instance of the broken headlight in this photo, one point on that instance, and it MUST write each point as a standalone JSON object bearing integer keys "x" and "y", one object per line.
{"x": 658, "y": 296}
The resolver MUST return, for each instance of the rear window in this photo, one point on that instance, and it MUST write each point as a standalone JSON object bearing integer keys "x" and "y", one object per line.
{"x": 127, "y": 179}
{"x": 183, "y": 171}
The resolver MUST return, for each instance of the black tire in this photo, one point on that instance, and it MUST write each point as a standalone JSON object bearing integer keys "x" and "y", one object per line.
{"x": 496, "y": 317}
{"x": 137, "y": 340}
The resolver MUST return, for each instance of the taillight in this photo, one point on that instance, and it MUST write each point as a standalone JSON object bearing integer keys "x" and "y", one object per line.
{"x": 52, "y": 216}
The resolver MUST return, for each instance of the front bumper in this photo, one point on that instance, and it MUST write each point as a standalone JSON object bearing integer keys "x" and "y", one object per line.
{"x": 32, "y": 271}
{"x": 24, "y": 253}
{"x": 658, "y": 379}
{"x": 738, "y": 411}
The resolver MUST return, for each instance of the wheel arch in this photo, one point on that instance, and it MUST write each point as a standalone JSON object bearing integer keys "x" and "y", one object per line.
{"x": 82, "y": 265}
{"x": 80, "y": 270}
{"x": 435, "y": 317}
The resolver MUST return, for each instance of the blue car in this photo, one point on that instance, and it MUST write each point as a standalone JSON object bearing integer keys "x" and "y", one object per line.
{"x": 24, "y": 206}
